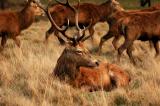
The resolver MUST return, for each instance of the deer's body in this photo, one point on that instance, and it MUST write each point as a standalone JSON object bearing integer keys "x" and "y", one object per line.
{"x": 144, "y": 27}
{"x": 12, "y": 23}
{"x": 115, "y": 24}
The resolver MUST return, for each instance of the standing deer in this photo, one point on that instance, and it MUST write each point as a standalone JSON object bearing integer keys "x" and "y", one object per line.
{"x": 88, "y": 13}
{"x": 114, "y": 25}
{"x": 144, "y": 26}
{"x": 12, "y": 23}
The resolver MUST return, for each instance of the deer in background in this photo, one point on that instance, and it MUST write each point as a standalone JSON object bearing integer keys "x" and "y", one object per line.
{"x": 143, "y": 26}
{"x": 88, "y": 14}
{"x": 145, "y": 2}
{"x": 13, "y": 22}
{"x": 114, "y": 25}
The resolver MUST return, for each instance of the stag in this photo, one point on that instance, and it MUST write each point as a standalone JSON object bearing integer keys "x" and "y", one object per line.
{"x": 115, "y": 31}
{"x": 12, "y": 23}
{"x": 144, "y": 2}
{"x": 76, "y": 66}
{"x": 88, "y": 14}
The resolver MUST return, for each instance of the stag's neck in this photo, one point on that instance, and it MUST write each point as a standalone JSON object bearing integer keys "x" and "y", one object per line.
{"x": 26, "y": 17}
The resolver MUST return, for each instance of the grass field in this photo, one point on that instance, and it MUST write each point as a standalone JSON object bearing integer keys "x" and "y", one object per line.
{"x": 25, "y": 73}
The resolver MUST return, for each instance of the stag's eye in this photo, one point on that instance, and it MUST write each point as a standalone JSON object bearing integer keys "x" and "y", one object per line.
{"x": 79, "y": 52}
{"x": 33, "y": 1}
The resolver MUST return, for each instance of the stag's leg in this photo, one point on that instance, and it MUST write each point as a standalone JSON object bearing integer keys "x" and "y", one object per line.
{"x": 156, "y": 46}
{"x": 3, "y": 41}
{"x": 124, "y": 46}
{"x": 129, "y": 52}
{"x": 103, "y": 39}
{"x": 115, "y": 41}
{"x": 62, "y": 42}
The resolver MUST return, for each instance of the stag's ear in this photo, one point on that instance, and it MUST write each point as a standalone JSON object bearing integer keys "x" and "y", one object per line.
{"x": 111, "y": 0}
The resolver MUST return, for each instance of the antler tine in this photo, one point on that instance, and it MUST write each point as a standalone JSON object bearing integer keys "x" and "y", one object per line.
{"x": 76, "y": 16}
{"x": 73, "y": 8}
{"x": 54, "y": 23}
{"x": 83, "y": 38}
{"x": 46, "y": 10}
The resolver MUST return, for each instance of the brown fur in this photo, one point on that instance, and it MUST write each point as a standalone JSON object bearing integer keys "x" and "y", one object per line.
{"x": 105, "y": 76}
{"x": 114, "y": 24}
{"x": 87, "y": 12}
{"x": 118, "y": 75}
{"x": 70, "y": 60}
{"x": 143, "y": 26}
{"x": 93, "y": 78}
{"x": 12, "y": 23}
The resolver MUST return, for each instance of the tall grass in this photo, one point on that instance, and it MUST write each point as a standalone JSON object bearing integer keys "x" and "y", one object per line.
{"x": 26, "y": 74}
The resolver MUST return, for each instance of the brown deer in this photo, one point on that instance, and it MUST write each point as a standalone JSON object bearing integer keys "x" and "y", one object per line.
{"x": 75, "y": 64}
{"x": 12, "y": 23}
{"x": 143, "y": 26}
{"x": 114, "y": 24}
{"x": 88, "y": 13}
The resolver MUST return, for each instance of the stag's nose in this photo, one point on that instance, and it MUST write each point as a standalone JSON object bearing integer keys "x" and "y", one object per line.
{"x": 96, "y": 62}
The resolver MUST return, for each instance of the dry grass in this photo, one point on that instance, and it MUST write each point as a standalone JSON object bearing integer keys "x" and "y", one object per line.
{"x": 25, "y": 74}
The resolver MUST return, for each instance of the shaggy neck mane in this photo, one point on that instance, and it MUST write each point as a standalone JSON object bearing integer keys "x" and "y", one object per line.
{"x": 65, "y": 64}
{"x": 26, "y": 17}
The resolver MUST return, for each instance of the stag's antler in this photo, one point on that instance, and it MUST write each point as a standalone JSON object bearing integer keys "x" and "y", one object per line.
{"x": 46, "y": 10}
{"x": 81, "y": 32}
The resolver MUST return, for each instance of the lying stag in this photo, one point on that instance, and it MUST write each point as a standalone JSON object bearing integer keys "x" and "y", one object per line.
{"x": 75, "y": 64}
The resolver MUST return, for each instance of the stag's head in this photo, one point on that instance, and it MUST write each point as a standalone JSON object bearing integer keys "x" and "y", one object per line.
{"x": 33, "y": 5}
{"x": 75, "y": 54}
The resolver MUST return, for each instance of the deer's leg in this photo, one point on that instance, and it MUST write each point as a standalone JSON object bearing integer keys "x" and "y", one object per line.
{"x": 62, "y": 42}
{"x": 103, "y": 39}
{"x": 124, "y": 46}
{"x": 149, "y": 3}
{"x": 3, "y": 41}
{"x": 17, "y": 41}
{"x": 91, "y": 31}
{"x": 129, "y": 52}
{"x": 115, "y": 41}
{"x": 150, "y": 44}
{"x": 156, "y": 46}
